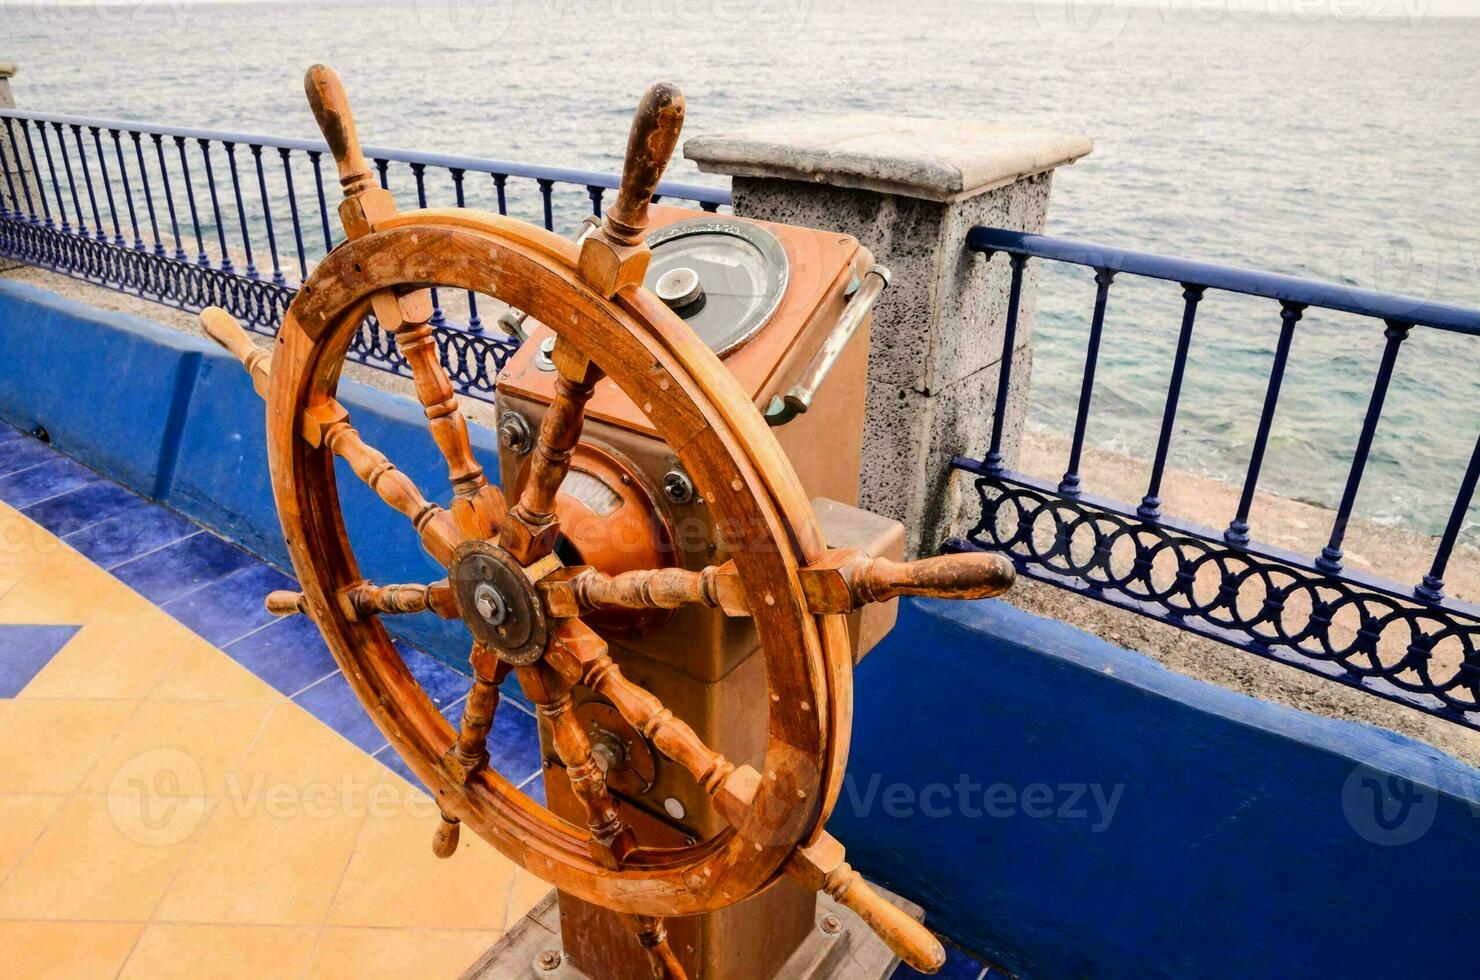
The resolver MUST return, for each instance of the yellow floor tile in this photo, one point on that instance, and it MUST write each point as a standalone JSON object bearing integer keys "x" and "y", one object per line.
{"x": 48, "y": 746}
{"x": 66, "y": 950}
{"x": 12, "y": 573}
{"x": 181, "y": 748}
{"x": 22, "y": 819}
{"x": 273, "y": 860}
{"x": 364, "y": 954}
{"x": 394, "y": 879}
{"x": 101, "y": 858}
{"x": 204, "y": 673}
{"x": 299, "y": 754}
{"x": 189, "y": 952}
{"x": 72, "y": 591}
{"x": 103, "y": 661}
{"x": 23, "y": 540}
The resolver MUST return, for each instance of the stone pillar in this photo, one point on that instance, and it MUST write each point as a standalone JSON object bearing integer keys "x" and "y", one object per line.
{"x": 910, "y": 190}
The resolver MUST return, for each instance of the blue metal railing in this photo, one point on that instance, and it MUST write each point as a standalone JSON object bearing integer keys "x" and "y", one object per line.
{"x": 181, "y": 217}
{"x": 1412, "y": 644}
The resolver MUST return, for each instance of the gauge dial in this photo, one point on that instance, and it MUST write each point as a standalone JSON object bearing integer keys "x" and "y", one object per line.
{"x": 723, "y": 276}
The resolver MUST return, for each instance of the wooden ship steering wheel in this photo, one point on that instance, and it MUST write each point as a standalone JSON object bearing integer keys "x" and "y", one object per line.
{"x": 521, "y": 604}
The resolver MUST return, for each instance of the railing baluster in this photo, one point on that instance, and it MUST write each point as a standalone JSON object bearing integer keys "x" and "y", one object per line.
{"x": 418, "y": 170}
{"x": 97, "y": 135}
{"x": 383, "y": 170}
{"x": 241, "y": 208}
{"x": 205, "y": 154}
{"x": 277, "y": 269}
{"x": 128, "y": 191}
{"x": 71, "y": 179}
{"x": 1330, "y": 557}
{"x": 36, "y": 172}
{"x": 547, "y": 186}
{"x": 1238, "y": 529}
{"x": 56, "y": 187}
{"x": 92, "y": 198}
{"x": 1069, "y": 485}
{"x": 1432, "y": 587}
{"x": 20, "y": 170}
{"x": 293, "y": 211}
{"x": 499, "y": 180}
{"x": 200, "y": 241}
{"x": 148, "y": 194}
{"x": 169, "y": 197}
{"x": 475, "y": 322}
{"x": 596, "y": 194}
{"x": 318, "y": 182}
{"x": 1150, "y": 506}
{"x": 994, "y": 460}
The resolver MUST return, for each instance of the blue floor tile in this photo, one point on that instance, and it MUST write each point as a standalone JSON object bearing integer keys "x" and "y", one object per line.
{"x": 182, "y": 567}
{"x": 230, "y": 608}
{"x": 288, "y": 654}
{"x": 130, "y": 535}
{"x": 24, "y": 650}
{"x": 535, "y": 790}
{"x": 83, "y": 507}
{"x": 443, "y": 685}
{"x": 50, "y": 479}
{"x": 514, "y": 743}
{"x": 332, "y": 702}
{"x": 24, "y": 453}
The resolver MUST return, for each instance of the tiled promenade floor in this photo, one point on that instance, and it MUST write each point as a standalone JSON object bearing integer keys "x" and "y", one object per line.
{"x": 188, "y": 788}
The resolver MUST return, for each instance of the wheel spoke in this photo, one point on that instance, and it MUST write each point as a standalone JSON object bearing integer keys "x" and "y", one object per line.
{"x": 581, "y": 589}
{"x": 365, "y": 599}
{"x": 652, "y": 936}
{"x": 611, "y": 839}
{"x": 470, "y": 753}
{"x": 531, "y": 531}
{"x": 439, "y": 534}
{"x": 576, "y": 650}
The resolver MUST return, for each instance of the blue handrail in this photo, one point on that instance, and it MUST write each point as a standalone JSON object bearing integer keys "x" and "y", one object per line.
{"x": 1227, "y": 585}
{"x": 1270, "y": 285}
{"x": 697, "y": 193}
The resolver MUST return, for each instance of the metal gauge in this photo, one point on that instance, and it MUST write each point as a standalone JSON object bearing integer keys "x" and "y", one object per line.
{"x": 723, "y": 276}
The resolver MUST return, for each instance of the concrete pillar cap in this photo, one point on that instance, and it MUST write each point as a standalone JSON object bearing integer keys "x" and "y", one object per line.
{"x": 8, "y": 68}
{"x": 933, "y": 159}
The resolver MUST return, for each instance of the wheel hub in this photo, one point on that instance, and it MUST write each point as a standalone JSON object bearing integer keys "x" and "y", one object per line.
{"x": 498, "y": 602}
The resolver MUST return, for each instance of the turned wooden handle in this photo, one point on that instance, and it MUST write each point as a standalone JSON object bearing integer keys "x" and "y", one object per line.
{"x": 222, "y": 327}
{"x": 655, "y": 130}
{"x": 909, "y": 939}
{"x": 966, "y": 576}
{"x": 331, "y": 109}
{"x": 283, "y": 603}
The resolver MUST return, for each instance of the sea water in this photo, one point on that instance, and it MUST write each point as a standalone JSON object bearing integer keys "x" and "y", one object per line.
{"x": 1297, "y": 137}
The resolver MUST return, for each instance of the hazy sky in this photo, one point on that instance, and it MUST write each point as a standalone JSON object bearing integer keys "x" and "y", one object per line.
{"x": 1406, "y": 9}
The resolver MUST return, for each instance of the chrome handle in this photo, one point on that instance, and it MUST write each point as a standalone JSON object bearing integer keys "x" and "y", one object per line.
{"x": 784, "y": 408}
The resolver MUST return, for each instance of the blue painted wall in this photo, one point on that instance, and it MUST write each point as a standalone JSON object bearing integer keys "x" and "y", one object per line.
{"x": 1066, "y": 807}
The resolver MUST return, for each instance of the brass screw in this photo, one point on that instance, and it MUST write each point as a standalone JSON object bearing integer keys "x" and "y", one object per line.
{"x": 548, "y": 960}
{"x": 831, "y": 924}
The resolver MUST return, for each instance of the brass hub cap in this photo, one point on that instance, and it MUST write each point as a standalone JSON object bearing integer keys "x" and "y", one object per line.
{"x": 498, "y": 602}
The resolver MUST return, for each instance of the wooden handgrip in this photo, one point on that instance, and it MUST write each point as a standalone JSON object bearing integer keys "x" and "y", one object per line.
{"x": 283, "y": 603}
{"x": 650, "y": 144}
{"x": 222, "y": 327}
{"x": 844, "y": 580}
{"x": 822, "y": 866}
{"x": 909, "y": 940}
{"x": 966, "y": 576}
{"x": 331, "y": 109}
